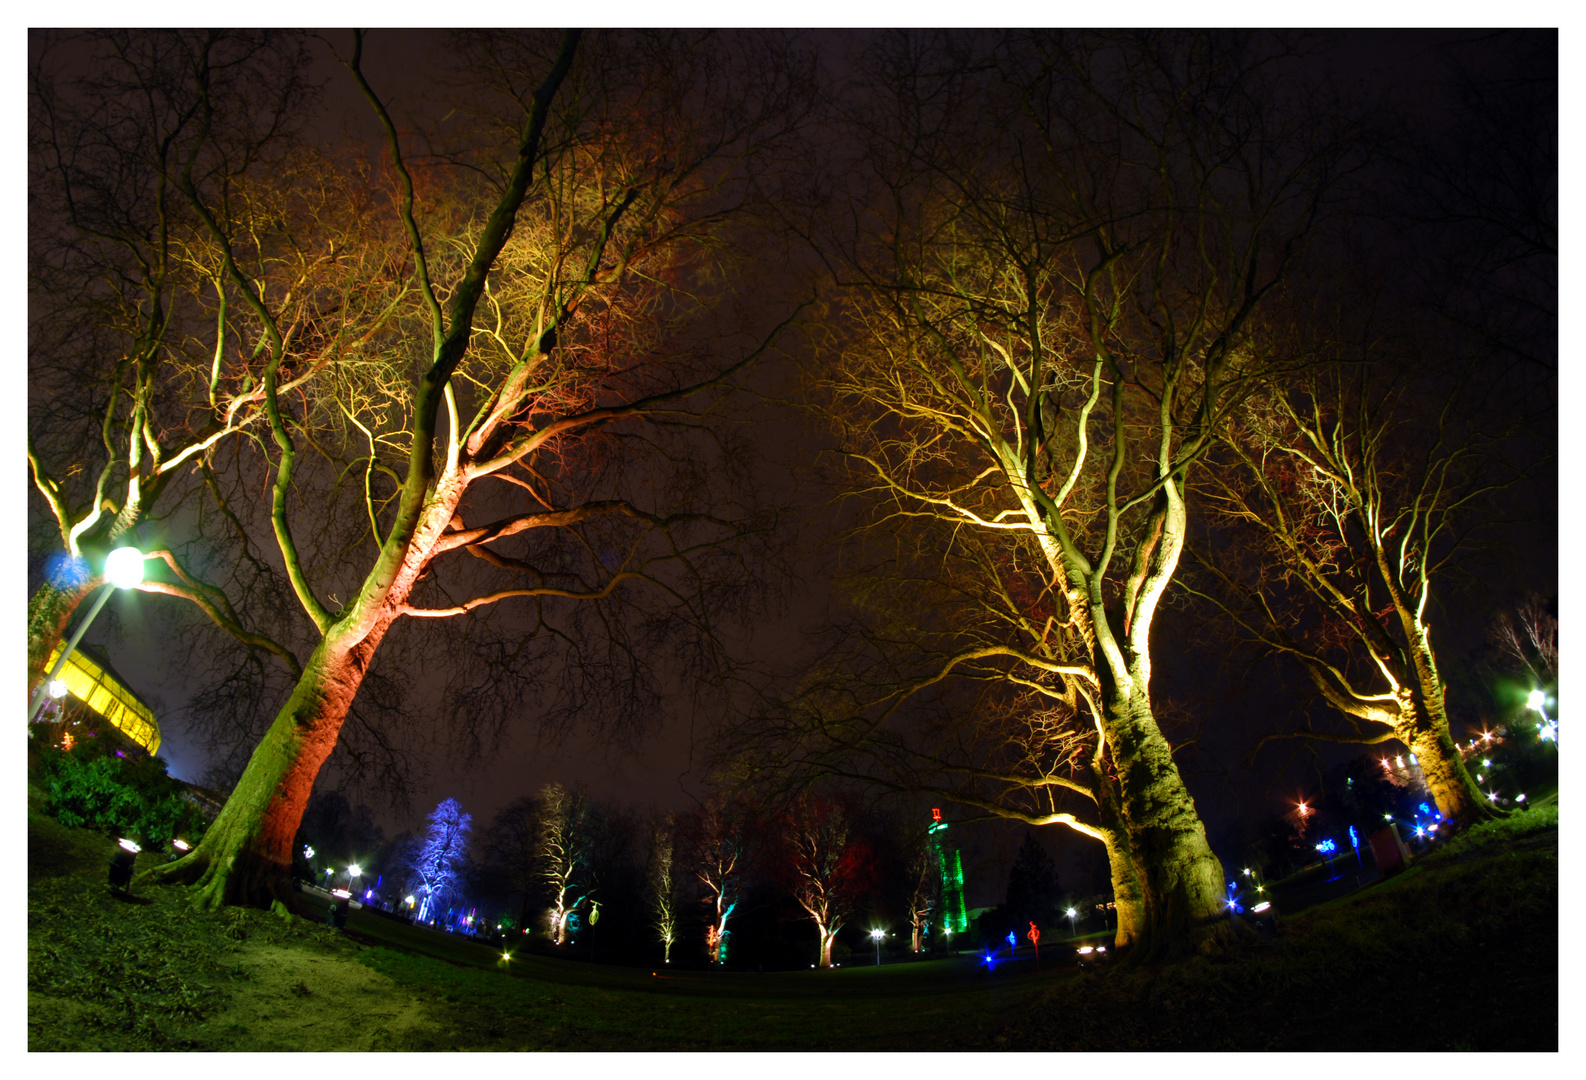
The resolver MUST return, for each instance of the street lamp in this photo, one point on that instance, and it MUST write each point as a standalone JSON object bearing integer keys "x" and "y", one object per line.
{"x": 876, "y": 936}
{"x": 123, "y": 570}
{"x": 1070, "y": 913}
{"x": 352, "y": 872}
{"x": 1547, "y": 729}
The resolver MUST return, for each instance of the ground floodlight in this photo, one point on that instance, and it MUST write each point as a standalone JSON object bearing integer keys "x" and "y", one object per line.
{"x": 124, "y": 568}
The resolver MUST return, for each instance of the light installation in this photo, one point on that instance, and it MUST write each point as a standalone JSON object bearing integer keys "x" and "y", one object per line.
{"x": 954, "y": 916}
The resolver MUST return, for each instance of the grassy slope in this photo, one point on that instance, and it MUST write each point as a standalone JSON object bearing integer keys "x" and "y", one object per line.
{"x": 1459, "y": 953}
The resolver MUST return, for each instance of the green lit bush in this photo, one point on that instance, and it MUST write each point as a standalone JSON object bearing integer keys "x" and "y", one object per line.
{"x": 83, "y": 789}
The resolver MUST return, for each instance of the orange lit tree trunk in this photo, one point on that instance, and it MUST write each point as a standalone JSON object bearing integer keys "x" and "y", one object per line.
{"x": 245, "y": 857}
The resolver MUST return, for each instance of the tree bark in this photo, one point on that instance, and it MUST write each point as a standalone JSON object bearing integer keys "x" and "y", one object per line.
{"x": 50, "y": 612}
{"x": 245, "y": 858}
{"x": 828, "y": 937}
{"x": 1180, "y": 880}
{"x": 1427, "y": 735}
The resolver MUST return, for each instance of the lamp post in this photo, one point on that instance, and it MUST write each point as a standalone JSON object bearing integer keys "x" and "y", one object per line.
{"x": 123, "y": 570}
{"x": 352, "y": 872}
{"x": 876, "y": 936}
{"x": 1071, "y": 913}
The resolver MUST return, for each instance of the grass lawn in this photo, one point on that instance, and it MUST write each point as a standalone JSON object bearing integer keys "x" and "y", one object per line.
{"x": 1460, "y": 952}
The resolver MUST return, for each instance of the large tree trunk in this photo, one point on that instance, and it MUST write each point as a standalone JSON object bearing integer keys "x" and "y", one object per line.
{"x": 1127, "y": 899}
{"x": 1181, "y": 881}
{"x": 828, "y": 937}
{"x": 50, "y": 611}
{"x": 246, "y": 856}
{"x": 1426, "y": 734}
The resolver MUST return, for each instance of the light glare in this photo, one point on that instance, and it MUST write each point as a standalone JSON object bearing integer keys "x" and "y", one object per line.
{"x": 124, "y": 567}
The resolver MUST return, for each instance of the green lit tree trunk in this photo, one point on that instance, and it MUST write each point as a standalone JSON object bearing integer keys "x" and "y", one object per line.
{"x": 245, "y": 857}
{"x": 50, "y": 611}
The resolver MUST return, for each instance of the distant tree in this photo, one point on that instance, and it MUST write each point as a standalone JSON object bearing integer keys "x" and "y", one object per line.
{"x": 831, "y": 867}
{"x": 924, "y": 872}
{"x": 663, "y": 883}
{"x": 511, "y": 848}
{"x": 1033, "y": 887}
{"x": 720, "y": 835}
{"x": 442, "y": 853}
{"x": 564, "y": 854}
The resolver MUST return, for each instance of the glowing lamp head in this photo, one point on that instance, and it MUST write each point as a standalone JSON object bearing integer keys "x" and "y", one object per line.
{"x": 181, "y": 845}
{"x": 1261, "y": 906}
{"x": 353, "y": 870}
{"x": 1519, "y": 798}
{"x": 508, "y": 956}
{"x": 877, "y": 935}
{"x": 1486, "y": 762}
{"x": 129, "y": 845}
{"x": 57, "y": 689}
{"x": 124, "y": 568}
{"x": 1534, "y": 702}
{"x": 408, "y": 900}
{"x": 1070, "y": 913}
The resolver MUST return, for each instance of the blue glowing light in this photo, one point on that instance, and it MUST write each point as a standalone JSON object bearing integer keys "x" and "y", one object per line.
{"x": 1354, "y": 838}
{"x": 1326, "y": 846}
{"x": 1425, "y": 809}
{"x": 1013, "y": 940}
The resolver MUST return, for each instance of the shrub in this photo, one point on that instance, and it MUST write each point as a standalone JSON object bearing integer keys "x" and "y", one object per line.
{"x": 135, "y": 798}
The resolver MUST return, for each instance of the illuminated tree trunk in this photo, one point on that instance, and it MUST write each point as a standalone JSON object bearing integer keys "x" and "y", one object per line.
{"x": 828, "y": 938}
{"x": 1180, "y": 880}
{"x": 1423, "y": 728}
{"x": 246, "y": 856}
{"x": 1127, "y": 900}
{"x": 50, "y": 612}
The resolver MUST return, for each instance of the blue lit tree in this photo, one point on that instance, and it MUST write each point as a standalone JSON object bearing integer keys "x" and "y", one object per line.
{"x": 444, "y": 851}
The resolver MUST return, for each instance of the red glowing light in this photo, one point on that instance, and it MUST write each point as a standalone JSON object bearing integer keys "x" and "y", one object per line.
{"x": 936, "y": 813}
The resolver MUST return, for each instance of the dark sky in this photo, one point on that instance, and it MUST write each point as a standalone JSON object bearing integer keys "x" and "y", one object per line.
{"x": 1400, "y": 66}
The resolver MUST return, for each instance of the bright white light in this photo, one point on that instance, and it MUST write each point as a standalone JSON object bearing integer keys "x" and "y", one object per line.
{"x": 1399, "y": 761}
{"x": 1519, "y": 798}
{"x": 1101, "y": 948}
{"x": 129, "y": 845}
{"x": 1486, "y": 762}
{"x": 1387, "y": 817}
{"x": 410, "y": 900}
{"x": 508, "y": 956}
{"x": 57, "y": 689}
{"x": 1413, "y": 761}
{"x": 1262, "y": 906}
{"x": 1247, "y": 872}
{"x": 181, "y": 845}
{"x": 878, "y": 934}
{"x": 124, "y": 568}
{"x": 1071, "y": 913}
{"x": 1480, "y": 778}
{"x": 353, "y": 870}
{"x": 1534, "y": 702}
{"x": 1492, "y": 796}
{"x": 1086, "y": 951}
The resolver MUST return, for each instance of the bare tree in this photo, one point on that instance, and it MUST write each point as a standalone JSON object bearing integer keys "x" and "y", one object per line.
{"x": 564, "y": 854}
{"x": 1054, "y": 271}
{"x": 830, "y": 866}
{"x": 135, "y": 371}
{"x": 1356, "y": 510}
{"x": 720, "y": 836}
{"x": 663, "y": 884}
{"x": 539, "y": 300}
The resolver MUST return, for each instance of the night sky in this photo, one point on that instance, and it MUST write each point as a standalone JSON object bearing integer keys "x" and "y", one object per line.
{"x": 1235, "y": 708}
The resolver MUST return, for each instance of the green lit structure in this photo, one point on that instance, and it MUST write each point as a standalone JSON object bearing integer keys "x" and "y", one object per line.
{"x": 955, "y": 918}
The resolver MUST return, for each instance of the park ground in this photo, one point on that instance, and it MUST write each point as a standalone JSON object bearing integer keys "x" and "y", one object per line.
{"x": 1458, "y": 953}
